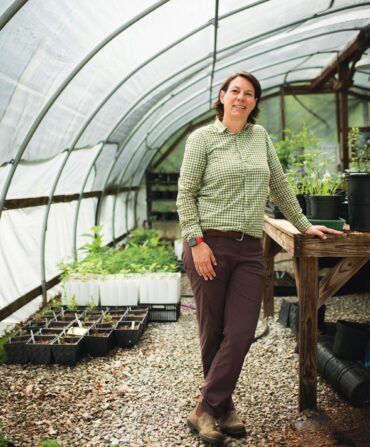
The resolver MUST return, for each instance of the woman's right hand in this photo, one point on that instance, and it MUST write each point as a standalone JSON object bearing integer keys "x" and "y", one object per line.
{"x": 204, "y": 261}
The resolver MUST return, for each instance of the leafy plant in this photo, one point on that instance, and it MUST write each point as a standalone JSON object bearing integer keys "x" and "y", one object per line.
{"x": 149, "y": 238}
{"x": 292, "y": 148}
{"x": 144, "y": 252}
{"x": 4, "y": 442}
{"x": 327, "y": 185}
{"x": 55, "y": 303}
{"x": 96, "y": 244}
{"x": 107, "y": 317}
{"x": 360, "y": 151}
{"x": 91, "y": 306}
{"x": 72, "y": 305}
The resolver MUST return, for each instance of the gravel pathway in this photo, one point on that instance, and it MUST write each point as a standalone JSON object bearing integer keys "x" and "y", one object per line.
{"x": 142, "y": 396}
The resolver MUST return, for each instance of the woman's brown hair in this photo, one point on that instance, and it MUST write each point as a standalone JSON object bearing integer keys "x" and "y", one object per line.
{"x": 219, "y": 107}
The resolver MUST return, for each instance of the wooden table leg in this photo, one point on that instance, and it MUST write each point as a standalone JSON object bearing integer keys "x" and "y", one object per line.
{"x": 270, "y": 248}
{"x": 308, "y": 292}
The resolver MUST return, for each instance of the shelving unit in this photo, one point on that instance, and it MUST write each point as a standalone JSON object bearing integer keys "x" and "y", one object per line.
{"x": 161, "y": 189}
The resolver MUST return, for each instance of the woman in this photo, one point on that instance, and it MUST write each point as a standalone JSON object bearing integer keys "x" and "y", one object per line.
{"x": 228, "y": 170}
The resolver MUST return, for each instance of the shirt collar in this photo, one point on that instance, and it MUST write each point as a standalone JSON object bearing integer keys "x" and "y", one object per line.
{"x": 221, "y": 128}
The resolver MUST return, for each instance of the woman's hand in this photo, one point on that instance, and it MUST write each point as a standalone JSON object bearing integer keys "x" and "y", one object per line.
{"x": 319, "y": 230}
{"x": 204, "y": 261}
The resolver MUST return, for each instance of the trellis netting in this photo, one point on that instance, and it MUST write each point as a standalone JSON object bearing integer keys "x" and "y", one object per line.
{"x": 91, "y": 89}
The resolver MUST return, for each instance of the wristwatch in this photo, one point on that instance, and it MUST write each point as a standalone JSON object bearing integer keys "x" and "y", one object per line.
{"x": 195, "y": 241}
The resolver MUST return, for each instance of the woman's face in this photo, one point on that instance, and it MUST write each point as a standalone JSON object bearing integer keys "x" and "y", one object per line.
{"x": 238, "y": 100}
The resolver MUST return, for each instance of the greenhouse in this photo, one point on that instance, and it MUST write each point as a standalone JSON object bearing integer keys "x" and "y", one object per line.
{"x": 99, "y": 102}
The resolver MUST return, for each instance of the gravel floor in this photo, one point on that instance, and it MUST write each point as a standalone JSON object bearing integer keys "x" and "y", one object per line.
{"x": 142, "y": 396}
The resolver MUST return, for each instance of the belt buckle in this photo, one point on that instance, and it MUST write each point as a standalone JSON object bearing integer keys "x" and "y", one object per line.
{"x": 239, "y": 240}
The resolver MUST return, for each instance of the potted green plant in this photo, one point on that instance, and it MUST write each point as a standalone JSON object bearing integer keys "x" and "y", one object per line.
{"x": 358, "y": 182}
{"x": 325, "y": 202}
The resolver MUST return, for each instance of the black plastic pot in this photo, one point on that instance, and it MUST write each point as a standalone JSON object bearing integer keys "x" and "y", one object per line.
{"x": 358, "y": 193}
{"x": 127, "y": 333}
{"x": 302, "y": 202}
{"x": 39, "y": 349}
{"x": 164, "y": 312}
{"x": 350, "y": 340}
{"x": 67, "y": 350}
{"x": 325, "y": 207}
{"x": 347, "y": 377}
{"x": 98, "y": 342}
{"x": 284, "y": 313}
{"x": 308, "y": 205}
{"x": 141, "y": 315}
{"x": 294, "y": 317}
{"x": 16, "y": 350}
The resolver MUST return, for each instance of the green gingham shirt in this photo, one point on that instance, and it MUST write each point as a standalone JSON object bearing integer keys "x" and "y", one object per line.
{"x": 225, "y": 179}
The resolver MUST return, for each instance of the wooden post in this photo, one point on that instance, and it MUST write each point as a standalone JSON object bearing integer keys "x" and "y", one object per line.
{"x": 344, "y": 75}
{"x": 308, "y": 298}
{"x": 282, "y": 112}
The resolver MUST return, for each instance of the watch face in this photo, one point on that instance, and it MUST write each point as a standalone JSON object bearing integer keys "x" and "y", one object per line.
{"x": 192, "y": 242}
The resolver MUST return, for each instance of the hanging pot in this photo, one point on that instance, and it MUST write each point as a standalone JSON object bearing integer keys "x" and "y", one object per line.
{"x": 358, "y": 192}
{"x": 325, "y": 207}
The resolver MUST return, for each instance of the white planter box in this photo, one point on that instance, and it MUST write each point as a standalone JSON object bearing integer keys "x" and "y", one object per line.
{"x": 85, "y": 291}
{"x": 160, "y": 288}
{"x": 178, "y": 244}
{"x": 119, "y": 290}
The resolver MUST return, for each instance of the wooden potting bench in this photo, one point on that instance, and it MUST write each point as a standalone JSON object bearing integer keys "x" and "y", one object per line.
{"x": 353, "y": 247}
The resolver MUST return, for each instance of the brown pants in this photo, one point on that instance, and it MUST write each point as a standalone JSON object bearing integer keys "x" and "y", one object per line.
{"x": 228, "y": 308}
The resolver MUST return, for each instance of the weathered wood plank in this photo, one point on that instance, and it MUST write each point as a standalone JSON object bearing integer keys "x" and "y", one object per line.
{"x": 296, "y": 272}
{"x": 283, "y": 238}
{"x": 351, "y": 244}
{"x": 270, "y": 248}
{"x": 283, "y": 225}
{"x": 338, "y": 276}
{"x": 308, "y": 297}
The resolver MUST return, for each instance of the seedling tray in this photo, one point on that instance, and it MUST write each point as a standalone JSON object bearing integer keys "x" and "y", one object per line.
{"x": 164, "y": 312}
{"x": 334, "y": 224}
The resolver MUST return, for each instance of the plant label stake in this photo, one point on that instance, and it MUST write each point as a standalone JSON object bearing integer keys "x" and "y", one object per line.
{"x": 32, "y": 336}
{"x": 132, "y": 324}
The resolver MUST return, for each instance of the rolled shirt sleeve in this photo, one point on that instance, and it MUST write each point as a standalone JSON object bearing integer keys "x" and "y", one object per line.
{"x": 281, "y": 192}
{"x": 189, "y": 184}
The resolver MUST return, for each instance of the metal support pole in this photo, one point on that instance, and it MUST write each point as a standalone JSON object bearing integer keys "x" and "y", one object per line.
{"x": 214, "y": 52}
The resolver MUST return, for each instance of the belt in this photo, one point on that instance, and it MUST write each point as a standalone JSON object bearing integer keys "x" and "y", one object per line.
{"x": 236, "y": 235}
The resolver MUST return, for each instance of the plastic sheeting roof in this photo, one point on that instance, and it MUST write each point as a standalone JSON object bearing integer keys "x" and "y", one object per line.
{"x": 90, "y": 89}
{"x": 77, "y": 73}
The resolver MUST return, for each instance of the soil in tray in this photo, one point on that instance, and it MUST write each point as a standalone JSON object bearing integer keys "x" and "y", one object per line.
{"x": 59, "y": 324}
{"x": 103, "y": 325}
{"x": 93, "y": 316}
{"x": 68, "y": 340}
{"x": 51, "y": 332}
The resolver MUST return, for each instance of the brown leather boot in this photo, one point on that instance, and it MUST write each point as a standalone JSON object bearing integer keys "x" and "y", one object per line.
{"x": 205, "y": 425}
{"x": 231, "y": 424}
